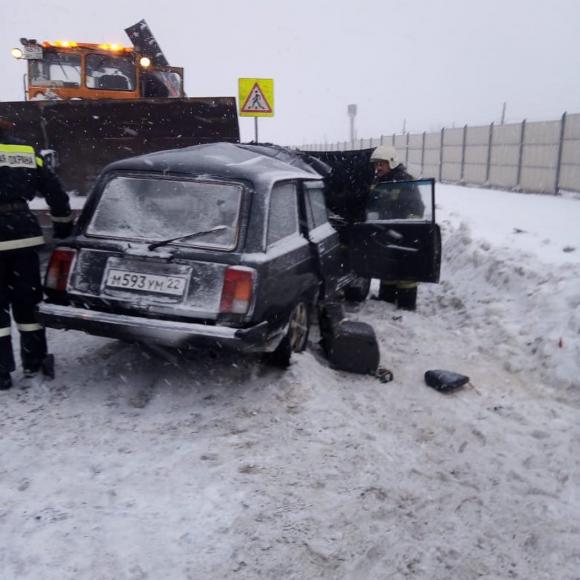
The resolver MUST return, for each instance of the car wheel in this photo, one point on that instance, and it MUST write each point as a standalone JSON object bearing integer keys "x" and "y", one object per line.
{"x": 296, "y": 336}
{"x": 358, "y": 290}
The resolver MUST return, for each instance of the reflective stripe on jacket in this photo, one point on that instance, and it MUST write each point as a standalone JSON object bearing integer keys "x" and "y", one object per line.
{"x": 23, "y": 175}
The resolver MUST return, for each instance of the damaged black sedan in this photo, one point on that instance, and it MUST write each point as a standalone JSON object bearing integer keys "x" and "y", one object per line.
{"x": 219, "y": 245}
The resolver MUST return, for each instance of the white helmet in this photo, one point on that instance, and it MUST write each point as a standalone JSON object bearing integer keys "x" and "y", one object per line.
{"x": 386, "y": 153}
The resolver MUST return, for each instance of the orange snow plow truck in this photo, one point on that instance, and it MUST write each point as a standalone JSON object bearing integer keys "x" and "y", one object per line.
{"x": 87, "y": 105}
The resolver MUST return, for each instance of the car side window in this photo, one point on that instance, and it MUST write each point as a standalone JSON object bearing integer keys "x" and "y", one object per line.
{"x": 316, "y": 211}
{"x": 283, "y": 219}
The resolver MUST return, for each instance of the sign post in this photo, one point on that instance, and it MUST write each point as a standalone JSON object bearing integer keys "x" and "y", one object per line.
{"x": 256, "y": 99}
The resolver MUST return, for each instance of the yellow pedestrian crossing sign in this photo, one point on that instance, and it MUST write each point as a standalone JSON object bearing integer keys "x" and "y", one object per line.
{"x": 256, "y": 97}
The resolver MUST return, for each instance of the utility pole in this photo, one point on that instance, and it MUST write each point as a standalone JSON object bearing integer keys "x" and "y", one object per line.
{"x": 351, "y": 110}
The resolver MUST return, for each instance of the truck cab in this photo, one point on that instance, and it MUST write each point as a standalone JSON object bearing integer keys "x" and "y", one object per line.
{"x": 65, "y": 70}
{"x": 88, "y": 105}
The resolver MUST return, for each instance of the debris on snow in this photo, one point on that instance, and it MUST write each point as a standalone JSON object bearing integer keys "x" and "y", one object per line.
{"x": 445, "y": 381}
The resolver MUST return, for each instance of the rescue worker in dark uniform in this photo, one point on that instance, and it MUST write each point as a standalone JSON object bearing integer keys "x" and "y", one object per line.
{"x": 395, "y": 203}
{"x": 23, "y": 175}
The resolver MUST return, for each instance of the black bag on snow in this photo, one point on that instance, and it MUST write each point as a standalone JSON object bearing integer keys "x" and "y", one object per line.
{"x": 444, "y": 381}
{"x": 349, "y": 345}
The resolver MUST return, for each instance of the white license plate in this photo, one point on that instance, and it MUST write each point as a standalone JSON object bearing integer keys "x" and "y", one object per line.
{"x": 174, "y": 285}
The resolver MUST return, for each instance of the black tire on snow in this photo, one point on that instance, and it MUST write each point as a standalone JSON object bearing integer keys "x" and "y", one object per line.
{"x": 296, "y": 337}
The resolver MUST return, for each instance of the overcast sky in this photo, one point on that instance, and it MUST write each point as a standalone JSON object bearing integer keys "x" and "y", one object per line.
{"x": 433, "y": 63}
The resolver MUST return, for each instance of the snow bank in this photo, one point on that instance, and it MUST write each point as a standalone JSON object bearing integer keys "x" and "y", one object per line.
{"x": 137, "y": 464}
{"x": 511, "y": 272}
{"x": 543, "y": 225}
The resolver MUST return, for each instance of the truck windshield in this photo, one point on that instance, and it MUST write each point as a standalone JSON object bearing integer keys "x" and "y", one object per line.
{"x": 56, "y": 69}
{"x": 111, "y": 73}
{"x": 155, "y": 209}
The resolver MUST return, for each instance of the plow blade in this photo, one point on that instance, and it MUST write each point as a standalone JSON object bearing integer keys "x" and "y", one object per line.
{"x": 87, "y": 135}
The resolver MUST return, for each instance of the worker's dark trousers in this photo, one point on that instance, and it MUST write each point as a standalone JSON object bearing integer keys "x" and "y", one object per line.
{"x": 403, "y": 294}
{"x": 21, "y": 291}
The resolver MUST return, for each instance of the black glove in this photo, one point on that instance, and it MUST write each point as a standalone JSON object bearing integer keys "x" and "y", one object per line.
{"x": 61, "y": 230}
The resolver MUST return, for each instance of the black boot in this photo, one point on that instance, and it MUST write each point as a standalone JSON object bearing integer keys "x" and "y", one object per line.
{"x": 5, "y": 381}
{"x": 46, "y": 367}
{"x": 407, "y": 298}
{"x": 387, "y": 293}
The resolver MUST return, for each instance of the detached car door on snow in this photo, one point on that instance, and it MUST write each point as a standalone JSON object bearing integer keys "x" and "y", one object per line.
{"x": 399, "y": 239}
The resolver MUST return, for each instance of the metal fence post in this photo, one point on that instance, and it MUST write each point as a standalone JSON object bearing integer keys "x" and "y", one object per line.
{"x": 560, "y": 151}
{"x": 423, "y": 155}
{"x": 462, "y": 174}
{"x": 441, "y": 154}
{"x": 489, "y": 149}
{"x": 521, "y": 153}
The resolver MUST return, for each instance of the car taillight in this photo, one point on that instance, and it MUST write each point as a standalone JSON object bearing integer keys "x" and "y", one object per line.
{"x": 59, "y": 269}
{"x": 238, "y": 290}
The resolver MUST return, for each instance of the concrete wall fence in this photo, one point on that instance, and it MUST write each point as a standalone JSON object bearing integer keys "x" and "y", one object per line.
{"x": 540, "y": 157}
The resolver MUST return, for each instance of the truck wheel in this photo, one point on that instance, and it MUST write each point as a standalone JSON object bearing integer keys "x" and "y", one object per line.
{"x": 358, "y": 290}
{"x": 296, "y": 336}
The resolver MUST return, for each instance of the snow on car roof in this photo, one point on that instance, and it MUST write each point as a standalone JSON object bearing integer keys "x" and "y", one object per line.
{"x": 227, "y": 160}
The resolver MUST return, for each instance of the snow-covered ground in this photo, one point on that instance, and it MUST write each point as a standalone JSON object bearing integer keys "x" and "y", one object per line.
{"x": 133, "y": 465}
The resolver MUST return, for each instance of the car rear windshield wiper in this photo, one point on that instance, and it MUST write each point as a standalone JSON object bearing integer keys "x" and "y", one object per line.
{"x": 186, "y": 236}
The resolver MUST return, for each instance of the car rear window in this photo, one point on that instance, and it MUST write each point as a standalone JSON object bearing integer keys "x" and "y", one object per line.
{"x": 154, "y": 209}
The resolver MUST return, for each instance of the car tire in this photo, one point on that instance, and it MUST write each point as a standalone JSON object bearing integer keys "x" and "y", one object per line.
{"x": 358, "y": 290}
{"x": 296, "y": 337}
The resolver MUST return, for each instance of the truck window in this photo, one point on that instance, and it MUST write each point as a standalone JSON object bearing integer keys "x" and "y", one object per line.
{"x": 111, "y": 73}
{"x": 283, "y": 220}
{"x": 158, "y": 83}
{"x": 56, "y": 69}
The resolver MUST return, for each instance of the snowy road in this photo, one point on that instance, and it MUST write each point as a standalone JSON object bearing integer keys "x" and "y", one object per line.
{"x": 134, "y": 466}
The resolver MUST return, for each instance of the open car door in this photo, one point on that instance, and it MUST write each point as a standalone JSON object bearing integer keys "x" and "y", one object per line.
{"x": 399, "y": 239}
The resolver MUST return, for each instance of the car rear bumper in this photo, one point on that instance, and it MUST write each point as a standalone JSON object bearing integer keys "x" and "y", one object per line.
{"x": 165, "y": 332}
